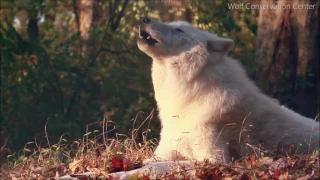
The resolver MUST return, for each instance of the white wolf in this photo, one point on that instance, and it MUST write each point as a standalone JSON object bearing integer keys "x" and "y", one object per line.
{"x": 207, "y": 104}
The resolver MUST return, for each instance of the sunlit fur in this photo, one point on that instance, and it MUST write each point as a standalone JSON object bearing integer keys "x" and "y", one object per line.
{"x": 207, "y": 104}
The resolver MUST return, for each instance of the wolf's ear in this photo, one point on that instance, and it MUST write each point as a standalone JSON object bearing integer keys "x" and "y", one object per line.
{"x": 220, "y": 45}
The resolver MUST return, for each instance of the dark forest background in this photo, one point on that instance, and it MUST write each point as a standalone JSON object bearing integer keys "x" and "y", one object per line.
{"x": 67, "y": 63}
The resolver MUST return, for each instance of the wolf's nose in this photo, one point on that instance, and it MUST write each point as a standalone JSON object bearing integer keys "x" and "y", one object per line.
{"x": 145, "y": 20}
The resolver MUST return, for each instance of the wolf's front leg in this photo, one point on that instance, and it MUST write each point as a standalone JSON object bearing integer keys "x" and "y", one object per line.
{"x": 167, "y": 150}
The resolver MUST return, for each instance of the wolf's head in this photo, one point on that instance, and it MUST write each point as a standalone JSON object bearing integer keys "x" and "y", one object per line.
{"x": 181, "y": 45}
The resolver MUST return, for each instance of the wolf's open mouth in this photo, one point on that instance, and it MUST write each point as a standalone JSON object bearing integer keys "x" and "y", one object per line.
{"x": 146, "y": 36}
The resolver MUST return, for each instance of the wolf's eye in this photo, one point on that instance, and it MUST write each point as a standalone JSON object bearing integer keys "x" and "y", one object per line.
{"x": 179, "y": 30}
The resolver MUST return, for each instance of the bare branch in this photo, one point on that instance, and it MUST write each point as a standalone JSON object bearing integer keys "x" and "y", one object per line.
{"x": 113, "y": 27}
{"x": 75, "y": 10}
{"x": 115, "y": 24}
{"x": 82, "y": 75}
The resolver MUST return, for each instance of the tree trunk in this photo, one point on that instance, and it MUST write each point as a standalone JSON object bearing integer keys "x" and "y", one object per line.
{"x": 83, "y": 10}
{"x": 287, "y": 54}
{"x": 33, "y": 28}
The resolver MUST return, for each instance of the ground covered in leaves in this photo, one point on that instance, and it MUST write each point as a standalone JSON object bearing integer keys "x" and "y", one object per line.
{"x": 95, "y": 156}
{"x": 115, "y": 155}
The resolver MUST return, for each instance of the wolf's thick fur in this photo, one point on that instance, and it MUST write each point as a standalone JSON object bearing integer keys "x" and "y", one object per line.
{"x": 207, "y": 104}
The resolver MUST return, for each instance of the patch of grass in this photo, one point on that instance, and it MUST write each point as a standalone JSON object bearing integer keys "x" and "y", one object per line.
{"x": 95, "y": 152}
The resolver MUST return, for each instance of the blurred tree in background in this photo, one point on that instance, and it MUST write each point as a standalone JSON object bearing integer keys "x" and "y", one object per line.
{"x": 287, "y": 57}
{"x": 68, "y": 62}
